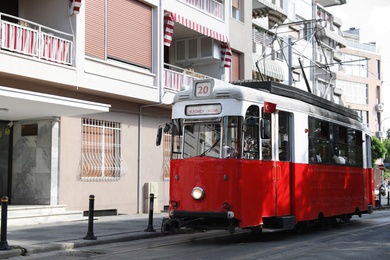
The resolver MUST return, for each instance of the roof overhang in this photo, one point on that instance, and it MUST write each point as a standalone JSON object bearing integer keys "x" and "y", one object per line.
{"x": 16, "y": 105}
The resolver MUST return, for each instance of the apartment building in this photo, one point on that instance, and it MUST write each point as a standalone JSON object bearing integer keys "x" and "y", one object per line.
{"x": 359, "y": 79}
{"x": 84, "y": 84}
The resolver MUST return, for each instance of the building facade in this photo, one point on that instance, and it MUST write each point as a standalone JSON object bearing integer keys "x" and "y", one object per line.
{"x": 84, "y": 86}
{"x": 359, "y": 78}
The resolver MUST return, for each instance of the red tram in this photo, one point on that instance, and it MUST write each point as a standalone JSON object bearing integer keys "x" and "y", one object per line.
{"x": 256, "y": 155}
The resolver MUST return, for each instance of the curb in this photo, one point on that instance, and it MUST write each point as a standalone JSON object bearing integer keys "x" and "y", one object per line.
{"x": 15, "y": 251}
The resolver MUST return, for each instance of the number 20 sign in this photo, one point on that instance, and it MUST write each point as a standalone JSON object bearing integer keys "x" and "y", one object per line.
{"x": 203, "y": 89}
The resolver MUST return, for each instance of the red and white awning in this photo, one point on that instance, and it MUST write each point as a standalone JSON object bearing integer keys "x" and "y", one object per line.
{"x": 74, "y": 6}
{"x": 169, "y": 20}
{"x": 168, "y": 29}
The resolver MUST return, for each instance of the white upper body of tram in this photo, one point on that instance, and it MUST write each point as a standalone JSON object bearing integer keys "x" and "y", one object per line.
{"x": 209, "y": 99}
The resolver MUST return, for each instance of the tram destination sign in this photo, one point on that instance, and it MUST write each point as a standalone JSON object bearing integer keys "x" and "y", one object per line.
{"x": 210, "y": 109}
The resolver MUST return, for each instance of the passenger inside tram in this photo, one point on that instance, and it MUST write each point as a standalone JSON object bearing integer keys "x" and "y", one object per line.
{"x": 337, "y": 158}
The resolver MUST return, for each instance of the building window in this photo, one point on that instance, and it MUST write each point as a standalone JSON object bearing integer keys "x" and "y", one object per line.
{"x": 355, "y": 65}
{"x": 238, "y": 10}
{"x": 101, "y": 158}
{"x": 119, "y": 30}
{"x": 378, "y": 69}
{"x": 356, "y": 93}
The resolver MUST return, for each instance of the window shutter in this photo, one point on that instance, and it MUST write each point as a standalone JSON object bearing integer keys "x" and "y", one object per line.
{"x": 235, "y": 4}
{"x": 129, "y": 33}
{"x": 94, "y": 28}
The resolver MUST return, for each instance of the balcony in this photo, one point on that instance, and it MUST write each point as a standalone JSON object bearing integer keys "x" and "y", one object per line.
{"x": 37, "y": 41}
{"x": 212, "y": 7}
{"x": 362, "y": 46}
{"x": 175, "y": 77}
{"x": 328, "y": 3}
{"x": 276, "y": 14}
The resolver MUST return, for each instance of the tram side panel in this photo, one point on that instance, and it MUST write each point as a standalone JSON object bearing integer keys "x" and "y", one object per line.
{"x": 257, "y": 192}
{"x": 330, "y": 190}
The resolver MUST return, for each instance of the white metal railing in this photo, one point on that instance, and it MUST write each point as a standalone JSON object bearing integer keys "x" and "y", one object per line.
{"x": 363, "y": 46}
{"x": 175, "y": 77}
{"x": 32, "y": 39}
{"x": 212, "y": 7}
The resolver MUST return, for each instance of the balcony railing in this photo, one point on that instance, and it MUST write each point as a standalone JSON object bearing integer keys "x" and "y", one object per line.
{"x": 32, "y": 39}
{"x": 175, "y": 77}
{"x": 212, "y": 7}
{"x": 363, "y": 46}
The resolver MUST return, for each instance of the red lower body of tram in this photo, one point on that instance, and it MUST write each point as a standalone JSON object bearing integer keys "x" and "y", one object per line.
{"x": 239, "y": 193}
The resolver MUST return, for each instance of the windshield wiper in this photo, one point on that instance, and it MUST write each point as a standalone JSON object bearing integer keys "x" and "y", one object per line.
{"x": 209, "y": 149}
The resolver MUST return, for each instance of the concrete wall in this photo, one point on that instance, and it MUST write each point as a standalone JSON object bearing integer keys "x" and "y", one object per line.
{"x": 125, "y": 194}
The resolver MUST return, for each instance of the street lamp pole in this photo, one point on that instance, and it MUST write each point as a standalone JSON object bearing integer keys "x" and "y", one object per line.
{"x": 380, "y": 128}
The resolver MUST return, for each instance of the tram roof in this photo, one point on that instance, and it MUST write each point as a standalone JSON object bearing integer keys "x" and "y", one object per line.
{"x": 298, "y": 94}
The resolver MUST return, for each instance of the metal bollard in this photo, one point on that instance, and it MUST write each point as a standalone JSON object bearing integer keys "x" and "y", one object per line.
{"x": 90, "y": 235}
{"x": 4, "y": 209}
{"x": 151, "y": 205}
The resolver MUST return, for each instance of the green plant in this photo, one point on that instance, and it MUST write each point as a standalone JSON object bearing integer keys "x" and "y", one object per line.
{"x": 378, "y": 149}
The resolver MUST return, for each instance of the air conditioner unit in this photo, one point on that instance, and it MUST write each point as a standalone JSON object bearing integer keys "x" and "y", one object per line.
{"x": 379, "y": 107}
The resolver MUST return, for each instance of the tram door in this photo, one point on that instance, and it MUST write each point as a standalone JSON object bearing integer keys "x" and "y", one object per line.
{"x": 282, "y": 142}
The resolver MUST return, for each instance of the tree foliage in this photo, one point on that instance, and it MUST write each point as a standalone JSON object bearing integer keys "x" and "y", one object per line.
{"x": 378, "y": 149}
{"x": 386, "y": 144}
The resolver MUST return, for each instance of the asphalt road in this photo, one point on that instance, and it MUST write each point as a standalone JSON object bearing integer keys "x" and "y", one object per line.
{"x": 367, "y": 237}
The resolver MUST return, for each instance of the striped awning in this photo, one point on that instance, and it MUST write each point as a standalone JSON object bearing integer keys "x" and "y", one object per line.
{"x": 74, "y": 6}
{"x": 271, "y": 69}
{"x": 169, "y": 20}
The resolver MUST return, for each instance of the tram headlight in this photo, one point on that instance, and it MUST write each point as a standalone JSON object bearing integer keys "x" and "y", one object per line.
{"x": 197, "y": 193}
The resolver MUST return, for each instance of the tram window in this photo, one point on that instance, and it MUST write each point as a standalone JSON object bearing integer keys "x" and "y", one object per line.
{"x": 202, "y": 139}
{"x": 231, "y": 137}
{"x": 368, "y": 151}
{"x": 355, "y": 149}
{"x": 266, "y": 148}
{"x": 176, "y": 132}
{"x": 334, "y": 144}
{"x": 283, "y": 135}
{"x": 339, "y": 146}
{"x": 319, "y": 144}
{"x": 251, "y": 133}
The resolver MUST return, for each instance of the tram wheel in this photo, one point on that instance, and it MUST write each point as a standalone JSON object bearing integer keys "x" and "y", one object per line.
{"x": 257, "y": 230}
{"x": 300, "y": 226}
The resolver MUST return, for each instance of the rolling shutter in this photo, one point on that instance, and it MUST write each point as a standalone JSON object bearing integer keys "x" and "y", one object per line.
{"x": 94, "y": 28}
{"x": 129, "y": 33}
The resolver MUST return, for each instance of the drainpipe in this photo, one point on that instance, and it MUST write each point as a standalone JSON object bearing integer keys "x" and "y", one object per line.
{"x": 160, "y": 84}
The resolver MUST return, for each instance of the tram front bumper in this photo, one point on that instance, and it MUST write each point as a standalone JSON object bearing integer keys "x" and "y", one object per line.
{"x": 199, "y": 220}
{"x": 201, "y": 215}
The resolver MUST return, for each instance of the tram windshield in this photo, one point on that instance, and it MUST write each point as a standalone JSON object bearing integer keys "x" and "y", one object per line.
{"x": 211, "y": 137}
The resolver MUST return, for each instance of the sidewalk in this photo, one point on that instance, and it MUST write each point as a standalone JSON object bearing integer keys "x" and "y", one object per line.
{"x": 24, "y": 240}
